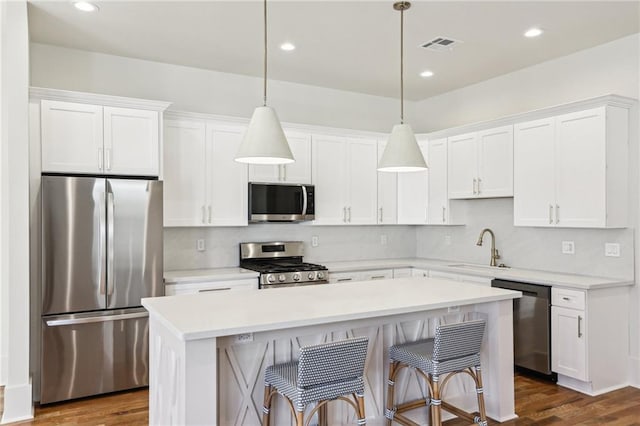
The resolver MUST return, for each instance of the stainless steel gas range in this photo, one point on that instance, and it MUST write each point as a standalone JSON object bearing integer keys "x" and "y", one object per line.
{"x": 280, "y": 264}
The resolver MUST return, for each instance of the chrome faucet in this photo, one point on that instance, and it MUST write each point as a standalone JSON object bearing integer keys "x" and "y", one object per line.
{"x": 494, "y": 253}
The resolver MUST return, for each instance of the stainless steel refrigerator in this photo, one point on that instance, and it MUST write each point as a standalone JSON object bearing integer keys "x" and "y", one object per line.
{"x": 102, "y": 253}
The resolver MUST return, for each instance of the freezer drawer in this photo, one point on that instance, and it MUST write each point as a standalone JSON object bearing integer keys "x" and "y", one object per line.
{"x": 89, "y": 354}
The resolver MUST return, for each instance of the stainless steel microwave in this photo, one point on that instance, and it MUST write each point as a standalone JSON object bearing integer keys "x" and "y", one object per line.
{"x": 275, "y": 202}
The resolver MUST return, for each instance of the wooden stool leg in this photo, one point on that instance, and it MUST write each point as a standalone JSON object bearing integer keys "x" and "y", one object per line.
{"x": 299, "y": 418}
{"x": 436, "y": 409}
{"x": 266, "y": 407}
{"x": 393, "y": 369}
{"x": 480, "y": 392}
{"x": 362, "y": 418}
{"x": 322, "y": 415}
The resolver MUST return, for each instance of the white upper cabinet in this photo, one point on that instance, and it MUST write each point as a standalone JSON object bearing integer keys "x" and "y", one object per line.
{"x": 438, "y": 202}
{"x": 387, "y": 193}
{"x": 571, "y": 170}
{"x": 72, "y": 137}
{"x": 85, "y": 138}
{"x": 344, "y": 174}
{"x": 184, "y": 173}
{"x": 413, "y": 189}
{"x": 296, "y": 172}
{"x": 131, "y": 141}
{"x": 203, "y": 185}
{"x": 481, "y": 164}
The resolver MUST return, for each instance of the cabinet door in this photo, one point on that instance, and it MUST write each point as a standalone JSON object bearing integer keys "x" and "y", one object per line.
{"x": 387, "y": 193}
{"x": 226, "y": 180}
{"x": 184, "y": 173}
{"x": 463, "y": 166}
{"x": 413, "y": 189}
{"x": 72, "y": 137}
{"x": 270, "y": 173}
{"x": 363, "y": 182}
{"x": 495, "y": 164}
{"x": 581, "y": 169}
{"x": 300, "y": 171}
{"x": 343, "y": 277}
{"x": 534, "y": 176}
{"x": 415, "y": 272}
{"x": 329, "y": 156}
{"x": 131, "y": 142}
{"x": 438, "y": 204}
{"x": 568, "y": 343}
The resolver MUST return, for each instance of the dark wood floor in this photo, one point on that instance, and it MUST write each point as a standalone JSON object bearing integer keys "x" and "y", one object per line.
{"x": 537, "y": 403}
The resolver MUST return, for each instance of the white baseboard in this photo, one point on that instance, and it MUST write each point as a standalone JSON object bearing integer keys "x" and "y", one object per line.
{"x": 18, "y": 404}
{"x": 634, "y": 371}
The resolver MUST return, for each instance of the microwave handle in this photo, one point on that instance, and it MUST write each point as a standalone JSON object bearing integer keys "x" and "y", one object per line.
{"x": 304, "y": 200}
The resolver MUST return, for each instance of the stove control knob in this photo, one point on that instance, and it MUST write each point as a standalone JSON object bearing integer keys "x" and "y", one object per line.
{"x": 271, "y": 278}
{"x": 311, "y": 276}
{"x": 320, "y": 275}
{"x": 281, "y": 278}
{"x": 296, "y": 276}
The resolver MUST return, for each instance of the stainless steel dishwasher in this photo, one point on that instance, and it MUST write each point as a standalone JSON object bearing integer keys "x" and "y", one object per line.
{"x": 531, "y": 326}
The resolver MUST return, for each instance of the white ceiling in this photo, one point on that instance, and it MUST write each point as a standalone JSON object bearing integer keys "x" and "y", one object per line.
{"x": 340, "y": 44}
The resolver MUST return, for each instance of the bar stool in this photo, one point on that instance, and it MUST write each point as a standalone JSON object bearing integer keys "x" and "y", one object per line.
{"x": 454, "y": 349}
{"x": 323, "y": 373}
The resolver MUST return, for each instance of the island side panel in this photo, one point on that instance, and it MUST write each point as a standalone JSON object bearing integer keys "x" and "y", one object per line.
{"x": 183, "y": 379}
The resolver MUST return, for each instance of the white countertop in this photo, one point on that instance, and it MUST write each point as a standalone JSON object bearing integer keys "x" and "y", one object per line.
{"x": 202, "y": 316}
{"x": 557, "y": 279}
{"x": 215, "y": 274}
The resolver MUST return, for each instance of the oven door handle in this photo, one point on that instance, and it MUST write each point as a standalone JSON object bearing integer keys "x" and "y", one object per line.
{"x": 304, "y": 200}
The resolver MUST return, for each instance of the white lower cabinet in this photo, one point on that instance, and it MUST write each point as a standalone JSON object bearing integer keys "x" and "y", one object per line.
{"x": 210, "y": 286}
{"x": 473, "y": 279}
{"x": 589, "y": 341}
{"x": 416, "y": 272}
{"x": 402, "y": 272}
{"x": 369, "y": 275}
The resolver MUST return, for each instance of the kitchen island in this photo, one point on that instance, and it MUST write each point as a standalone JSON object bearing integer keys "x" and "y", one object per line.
{"x": 208, "y": 351}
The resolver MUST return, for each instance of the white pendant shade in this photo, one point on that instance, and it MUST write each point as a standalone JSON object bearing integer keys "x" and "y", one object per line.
{"x": 402, "y": 153}
{"x": 264, "y": 142}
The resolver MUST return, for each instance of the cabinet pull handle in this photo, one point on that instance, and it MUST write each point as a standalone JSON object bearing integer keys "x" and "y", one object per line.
{"x": 284, "y": 173}
{"x": 204, "y": 220}
{"x": 349, "y": 211}
{"x": 380, "y": 214}
{"x": 579, "y": 326}
{"x": 443, "y": 209}
{"x": 475, "y": 181}
{"x": 566, "y": 298}
{"x": 479, "y": 181}
{"x": 550, "y": 214}
{"x": 344, "y": 279}
{"x": 344, "y": 214}
{"x": 213, "y": 289}
{"x": 99, "y": 158}
{"x": 557, "y": 214}
{"x": 378, "y": 277}
{"x": 426, "y": 214}
{"x": 210, "y": 214}
{"x": 108, "y": 159}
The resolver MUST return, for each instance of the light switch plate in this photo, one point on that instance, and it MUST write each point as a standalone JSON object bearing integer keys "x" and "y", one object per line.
{"x": 314, "y": 241}
{"x": 244, "y": 338}
{"x": 612, "y": 249}
{"x": 200, "y": 245}
{"x": 568, "y": 247}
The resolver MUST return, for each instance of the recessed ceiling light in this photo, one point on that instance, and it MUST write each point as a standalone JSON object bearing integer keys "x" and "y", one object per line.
{"x": 426, "y": 74}
{"x": 85, "y": 6}
{"x": 287, "y": 47}
{"x": 533, "y": 32}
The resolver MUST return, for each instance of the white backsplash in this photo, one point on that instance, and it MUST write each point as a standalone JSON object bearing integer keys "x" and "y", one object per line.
{"x": 525, "y": 247}
{"x": 335, "y": 243}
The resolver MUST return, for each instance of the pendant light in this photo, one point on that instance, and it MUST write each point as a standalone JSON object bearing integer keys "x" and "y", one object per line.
{"x": 264, "y": 142}
{"x": 402, "y": 153}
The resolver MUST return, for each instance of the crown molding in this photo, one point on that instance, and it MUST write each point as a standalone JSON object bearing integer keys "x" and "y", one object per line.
{"x": 39, "y": 93}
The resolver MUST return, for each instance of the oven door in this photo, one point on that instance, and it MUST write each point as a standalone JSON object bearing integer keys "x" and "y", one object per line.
{"x": 280, "y": 202}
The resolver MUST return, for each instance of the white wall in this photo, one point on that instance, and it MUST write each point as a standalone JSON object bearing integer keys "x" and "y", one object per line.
{"x": 14, "y": 193}
{"x": 199, "y": 90}
{"x": 335, "y": 243}
{"x": 609, "y": 68}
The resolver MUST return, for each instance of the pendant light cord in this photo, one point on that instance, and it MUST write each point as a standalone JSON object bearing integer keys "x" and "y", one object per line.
{"x": 264, "y": 100}
{"x": 402, "y": 66}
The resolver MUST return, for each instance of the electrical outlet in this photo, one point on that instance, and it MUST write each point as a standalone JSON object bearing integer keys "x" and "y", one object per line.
{"x": 447, "y": 240}
{"x": 612, "y": 249}
{"x": 568, "y": 247}
{"x": 244, "y": 338}
{"x": 383, "y": 239}
{"x": 200, "y": 245}
{"x": 314, "y": 241}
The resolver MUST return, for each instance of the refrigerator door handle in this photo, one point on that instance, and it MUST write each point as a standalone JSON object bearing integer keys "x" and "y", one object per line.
{"x": 88, "y": 320}
{"x": 103, "y": 242}
{"x": 110, "y": 244}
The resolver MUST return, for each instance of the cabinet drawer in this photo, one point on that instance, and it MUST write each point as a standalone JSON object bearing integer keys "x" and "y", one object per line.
{"x": 573, "y": 299}
{"x": 209, "y": 286}
{"x": 381, "y": 274}
{"x": 402, "y": 272}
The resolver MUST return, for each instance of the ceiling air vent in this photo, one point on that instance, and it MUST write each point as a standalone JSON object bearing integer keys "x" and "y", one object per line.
{"x": 440, "y": 44}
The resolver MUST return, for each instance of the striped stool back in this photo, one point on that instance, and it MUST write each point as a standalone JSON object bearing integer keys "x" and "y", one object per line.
{"x": 458, "y": 340}
{"x": 331, "y": 362}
